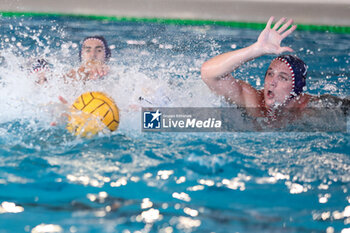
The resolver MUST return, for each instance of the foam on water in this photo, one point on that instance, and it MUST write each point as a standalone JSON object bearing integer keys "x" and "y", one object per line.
{"x": 22, "y": 98}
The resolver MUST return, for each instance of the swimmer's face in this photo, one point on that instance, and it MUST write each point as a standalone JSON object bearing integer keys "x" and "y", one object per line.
{"x": 93, "y": 49}
{"x": 278, "y": 84}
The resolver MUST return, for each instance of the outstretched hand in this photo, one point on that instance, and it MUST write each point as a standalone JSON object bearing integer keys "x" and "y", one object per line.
{"x": 270, "y": 39}
{"x": 93, "y": 70}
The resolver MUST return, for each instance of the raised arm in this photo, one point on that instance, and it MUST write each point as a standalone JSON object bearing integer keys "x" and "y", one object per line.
{"x": 216, "y": 72}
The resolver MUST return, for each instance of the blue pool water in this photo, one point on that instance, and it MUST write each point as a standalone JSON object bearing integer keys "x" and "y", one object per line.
{"x": 129, "y": 181}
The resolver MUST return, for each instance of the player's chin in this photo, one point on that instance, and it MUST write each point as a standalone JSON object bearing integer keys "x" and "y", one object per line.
{"x": 270, "y": 103}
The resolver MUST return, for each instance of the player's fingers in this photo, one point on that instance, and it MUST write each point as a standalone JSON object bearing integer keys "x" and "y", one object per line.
{"x": 63, "y": 100}
{"x": 269, "y": 22}
{"x": 289, "y": 31}
{"x": 285, "y": 26}
{"x": 278, "y": 24}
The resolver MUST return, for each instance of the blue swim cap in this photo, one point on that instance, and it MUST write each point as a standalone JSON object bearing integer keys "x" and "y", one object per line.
{"x": 298, "y": 69}
{"x": 105, "y": 44}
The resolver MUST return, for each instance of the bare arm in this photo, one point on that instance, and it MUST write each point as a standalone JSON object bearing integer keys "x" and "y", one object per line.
{"x": 216, "y": 72}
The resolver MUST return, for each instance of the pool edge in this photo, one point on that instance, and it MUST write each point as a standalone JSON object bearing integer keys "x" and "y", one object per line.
{"x": 178, "y": 21}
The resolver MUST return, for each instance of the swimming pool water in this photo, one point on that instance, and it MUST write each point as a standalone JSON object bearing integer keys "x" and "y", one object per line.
{"x": 129, "y": 181}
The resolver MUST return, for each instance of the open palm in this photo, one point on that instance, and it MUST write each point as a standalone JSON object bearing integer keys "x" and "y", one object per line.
{"x": 270, "y": 39}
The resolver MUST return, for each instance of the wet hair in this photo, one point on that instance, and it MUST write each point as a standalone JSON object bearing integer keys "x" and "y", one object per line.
{"x": 105, "y": 45}
{"x": 298, "y": 69}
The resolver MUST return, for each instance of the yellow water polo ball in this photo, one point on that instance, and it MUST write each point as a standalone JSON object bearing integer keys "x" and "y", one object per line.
{"x": 91, "y": 113}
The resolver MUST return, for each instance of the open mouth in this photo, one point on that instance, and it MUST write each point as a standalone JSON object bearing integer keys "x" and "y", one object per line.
{"x": 270, "y": 94}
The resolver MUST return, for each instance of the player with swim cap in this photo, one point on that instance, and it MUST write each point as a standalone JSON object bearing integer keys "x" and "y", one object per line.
{"x": 284, "y": 80}
{"x": 94, "y": 54}
{"x": 94, "y": 47}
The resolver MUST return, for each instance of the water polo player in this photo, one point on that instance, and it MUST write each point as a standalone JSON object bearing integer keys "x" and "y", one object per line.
{"x": 284, "y": 79}
{"x": 94, "y": 53}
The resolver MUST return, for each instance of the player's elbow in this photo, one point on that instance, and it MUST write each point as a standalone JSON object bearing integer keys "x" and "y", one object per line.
{"x": 205, "y": 72}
